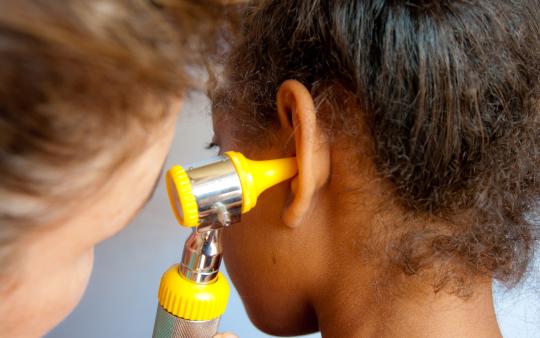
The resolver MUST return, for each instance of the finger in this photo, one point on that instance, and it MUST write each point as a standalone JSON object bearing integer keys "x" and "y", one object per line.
{"x": 225, "y": 335}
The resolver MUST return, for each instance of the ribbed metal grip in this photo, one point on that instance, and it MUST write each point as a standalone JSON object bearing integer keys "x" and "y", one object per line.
{"x": 169, "y": 326}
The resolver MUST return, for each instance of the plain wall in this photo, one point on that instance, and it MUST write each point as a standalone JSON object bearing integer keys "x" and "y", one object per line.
{"x": 121, "y": 297}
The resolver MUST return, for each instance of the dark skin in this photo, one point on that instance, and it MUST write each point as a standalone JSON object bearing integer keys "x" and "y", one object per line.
{"x": 298, "y": 258}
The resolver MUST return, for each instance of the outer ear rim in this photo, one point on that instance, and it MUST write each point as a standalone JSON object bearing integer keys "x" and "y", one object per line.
{"x": 312, "y": 150}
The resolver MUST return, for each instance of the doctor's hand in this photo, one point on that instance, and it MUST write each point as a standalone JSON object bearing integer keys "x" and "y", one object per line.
{"x": 225, "y": 335}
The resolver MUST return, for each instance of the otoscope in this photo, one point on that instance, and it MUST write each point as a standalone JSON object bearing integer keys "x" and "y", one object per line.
{"x": 208, "y": 197}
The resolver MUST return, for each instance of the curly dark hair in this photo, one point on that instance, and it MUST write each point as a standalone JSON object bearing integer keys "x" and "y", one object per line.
{"x": 449, "y": 91}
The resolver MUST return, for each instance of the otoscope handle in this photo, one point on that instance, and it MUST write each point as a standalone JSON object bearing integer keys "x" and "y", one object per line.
{"x": 169, "y": 326}
{"x": 189, "y": 309}
{"x": 193, "y": 294}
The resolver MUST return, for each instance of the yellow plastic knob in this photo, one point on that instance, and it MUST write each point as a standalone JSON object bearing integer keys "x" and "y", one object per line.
{"x": 181, "y": 197}
{"x": 188, "y": 300}
{"x": 257, "y": 176}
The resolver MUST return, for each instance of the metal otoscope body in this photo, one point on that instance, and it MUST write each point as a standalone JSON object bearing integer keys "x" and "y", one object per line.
{"x": 208, "y": 197}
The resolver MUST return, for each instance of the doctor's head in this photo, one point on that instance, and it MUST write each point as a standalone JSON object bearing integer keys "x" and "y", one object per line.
{"x": 89, "y": 93}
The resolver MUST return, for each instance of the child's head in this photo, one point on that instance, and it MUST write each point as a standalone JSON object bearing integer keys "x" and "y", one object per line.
{"x": 415, "y": 124}
{"x": 89, "y": 92}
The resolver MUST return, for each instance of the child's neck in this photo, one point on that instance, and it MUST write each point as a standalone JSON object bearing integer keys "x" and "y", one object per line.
{"x": 425, "y": 314}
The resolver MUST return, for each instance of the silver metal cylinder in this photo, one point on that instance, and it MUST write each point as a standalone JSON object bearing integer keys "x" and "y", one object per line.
{"x": 202, "y": 256}
{"x": 169, "y": 326}
{"x": 218, "y": 192}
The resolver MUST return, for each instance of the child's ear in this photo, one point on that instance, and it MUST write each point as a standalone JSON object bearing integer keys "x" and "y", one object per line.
{"x": 297, "y": 115}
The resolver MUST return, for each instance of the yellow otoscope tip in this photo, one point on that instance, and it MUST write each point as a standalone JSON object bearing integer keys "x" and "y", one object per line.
{"x": 257, "y": 176}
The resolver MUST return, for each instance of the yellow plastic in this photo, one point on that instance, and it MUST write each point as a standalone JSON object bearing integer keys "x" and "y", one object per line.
{"x": 189, "y": 300}
{"x": 257, "y": 176}
{"x": 181, "y": 197}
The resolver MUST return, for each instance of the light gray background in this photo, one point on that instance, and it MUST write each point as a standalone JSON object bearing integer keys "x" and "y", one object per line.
{"x": 121, "y": 298}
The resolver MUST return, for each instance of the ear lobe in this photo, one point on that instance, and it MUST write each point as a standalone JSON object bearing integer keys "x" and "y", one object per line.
{"x": 297, "y": 115}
